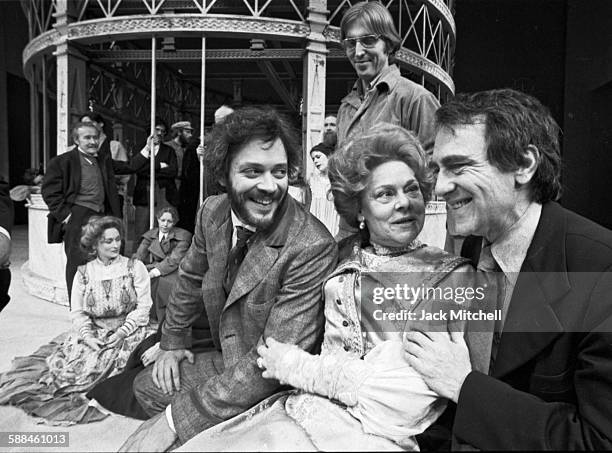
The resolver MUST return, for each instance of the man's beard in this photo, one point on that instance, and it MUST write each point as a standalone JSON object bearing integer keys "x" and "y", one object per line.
{"x": 330, "y": 138}
{"x": 238, "y": 204}
{"x": 183, "y": 141}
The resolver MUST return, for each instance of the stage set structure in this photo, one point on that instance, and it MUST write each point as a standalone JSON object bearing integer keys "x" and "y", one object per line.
{"x": 133, "y": 60}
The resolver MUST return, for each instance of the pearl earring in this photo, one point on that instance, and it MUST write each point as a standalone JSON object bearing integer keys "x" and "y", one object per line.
{"x": 362, "y": 224}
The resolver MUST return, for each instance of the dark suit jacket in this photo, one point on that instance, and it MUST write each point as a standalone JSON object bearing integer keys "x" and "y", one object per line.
{"x": 163, "y": 176}
{"x": 151, "y": 253}
{"x": 277, "y": 293}
{"x": 551, "y": 387}
{"x": 62, "y": 182}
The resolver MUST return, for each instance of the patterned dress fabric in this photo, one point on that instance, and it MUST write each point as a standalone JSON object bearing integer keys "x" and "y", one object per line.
{"x": 51, "y": 383}
{"x": 322, "y": 204}
{"x": 374, "y": 400}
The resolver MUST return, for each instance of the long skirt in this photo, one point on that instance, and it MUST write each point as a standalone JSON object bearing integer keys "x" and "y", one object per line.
{"x": 51, "y": 383}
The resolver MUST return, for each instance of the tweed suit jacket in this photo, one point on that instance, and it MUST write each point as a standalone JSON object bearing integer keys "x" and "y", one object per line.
{"x": 551, "y": 385}
{"x": 151, "y": 253}
{"x": 277, "y": 293}
{"x": 62, "y": 181}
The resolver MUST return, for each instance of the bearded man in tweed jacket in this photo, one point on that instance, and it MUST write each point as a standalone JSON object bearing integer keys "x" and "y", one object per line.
{"x": 276, "y": 291}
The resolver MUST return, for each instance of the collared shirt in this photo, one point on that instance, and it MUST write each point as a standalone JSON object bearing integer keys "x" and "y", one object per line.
{"x": 511, "y": 248}
{"x": 236, "y": 222}
{"x": 507, "y": 254}
{"x": 391, "y": 99}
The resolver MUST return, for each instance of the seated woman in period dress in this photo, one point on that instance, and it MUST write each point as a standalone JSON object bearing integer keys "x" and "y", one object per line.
{"x": 111, "y": 299}
{"x": 360, "y": 393}
{"x": 162, "y": 249}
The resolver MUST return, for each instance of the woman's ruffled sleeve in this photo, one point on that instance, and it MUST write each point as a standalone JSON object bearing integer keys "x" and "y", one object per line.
{"x": 382, "y": 390}
{"x": 140, "y": 315}
{"x": 81, "y": 321}
{"x": 393, "y": 400}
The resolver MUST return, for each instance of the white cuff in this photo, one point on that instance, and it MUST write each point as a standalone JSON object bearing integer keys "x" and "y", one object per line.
{"x": 5, "y": 232}
{"x": 155, "y": 272}
{"x": 169, "y": 418}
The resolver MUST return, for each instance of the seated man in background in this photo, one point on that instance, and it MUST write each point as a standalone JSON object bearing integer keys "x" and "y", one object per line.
{"x": 161, "y": 250}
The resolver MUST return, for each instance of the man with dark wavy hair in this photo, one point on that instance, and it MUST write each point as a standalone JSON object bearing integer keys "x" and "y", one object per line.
{"x": 255, "y": 266}
{"x": 549, "y": 380}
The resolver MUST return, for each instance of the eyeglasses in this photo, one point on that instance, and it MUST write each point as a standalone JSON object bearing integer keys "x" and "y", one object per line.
{"x": 367, "y": 42}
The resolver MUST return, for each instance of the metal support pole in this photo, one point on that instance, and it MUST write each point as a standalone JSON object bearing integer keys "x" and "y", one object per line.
{"x": 202, "y": 113}
{"x": 152, "y": 153}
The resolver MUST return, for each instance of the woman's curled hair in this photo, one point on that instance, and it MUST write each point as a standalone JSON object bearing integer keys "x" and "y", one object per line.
{"x": 93, "y": 230}
{"x": 349, "y": 168}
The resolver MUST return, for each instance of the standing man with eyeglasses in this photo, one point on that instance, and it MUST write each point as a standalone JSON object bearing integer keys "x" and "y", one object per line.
{"x": 381, "y": 94}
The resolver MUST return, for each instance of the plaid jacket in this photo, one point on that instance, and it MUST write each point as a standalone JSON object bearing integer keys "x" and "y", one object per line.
{"x": 277, "y": 293}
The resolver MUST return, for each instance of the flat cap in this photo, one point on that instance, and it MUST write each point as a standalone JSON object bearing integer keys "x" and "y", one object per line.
{"x": 182, "y": 125}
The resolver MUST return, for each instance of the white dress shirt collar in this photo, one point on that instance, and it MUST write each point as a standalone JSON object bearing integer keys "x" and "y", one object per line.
{"x": 236, "y": 222}
{"x": 511, "y": 248}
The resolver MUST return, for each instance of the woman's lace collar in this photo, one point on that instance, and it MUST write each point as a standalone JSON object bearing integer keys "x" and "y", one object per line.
{"x": 380, "y": 250}
{"x": 109, "y": 263}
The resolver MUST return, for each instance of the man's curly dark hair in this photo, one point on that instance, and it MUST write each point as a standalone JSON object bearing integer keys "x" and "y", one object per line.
{"x": 241, "y": 127}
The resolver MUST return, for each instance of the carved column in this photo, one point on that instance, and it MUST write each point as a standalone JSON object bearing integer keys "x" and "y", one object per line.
{"x": 71, "y": 77}
{"x": 313, "y": 88}
{"x": 43, "y": 273}
{"x": 35, "y": 147}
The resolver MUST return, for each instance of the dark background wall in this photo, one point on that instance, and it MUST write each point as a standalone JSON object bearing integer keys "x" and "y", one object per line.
{"x": 512, "y": 44}
{"x": 14, "y": 100}
{"x": 588, "y": 109}
{"x": 558, "y": 50}
{"x": 561, "y": 52}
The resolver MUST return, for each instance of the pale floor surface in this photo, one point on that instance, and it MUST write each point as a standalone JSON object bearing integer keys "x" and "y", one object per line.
{"x": 25, "y": 324}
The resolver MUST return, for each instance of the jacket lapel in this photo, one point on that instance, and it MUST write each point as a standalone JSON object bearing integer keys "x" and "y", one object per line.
{"x": 218, "y": 246}
{"x": 221, "y": 242}
{"x": 262, "y": 254}
{"x": 531, "y": 323}
{"x": 75, "y": 174}
{"x": 156, "y": 249}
